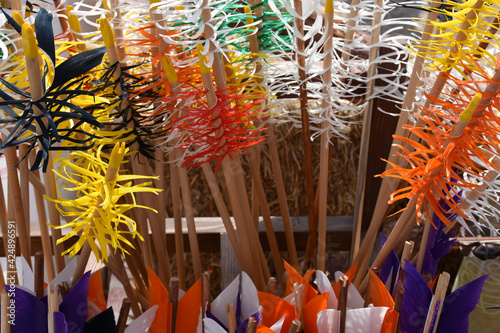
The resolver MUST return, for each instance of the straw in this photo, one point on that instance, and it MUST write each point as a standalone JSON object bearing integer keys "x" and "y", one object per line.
{"x": 116, "y": 159}
{"x": 24, "y": 170}
{"x": 252, "y": 325}
{"x": 271, "y": 286}
{"x": 441, "y": 79}
{"x": 242, "y": 226}
{"x": 176, "y": 208}
{"x": 298, "y": 291}
{"x": 266, "y": 215}
{"x": 273, "y": 152}
{"x": 16, "y": 196}
{"x": 295, "y": 326}
{"x": 5, "y": 231}
{"x": 60, "y": 10}
{"x": 75, "y": 28}
{"x": 35, "y": 79}
{"x": 137, "y": 167}
{"x": 115, "y": 264}
{"x": 232, "y": 167}
{"x": 457, "y": 131}
{"x": 205, "y": 294}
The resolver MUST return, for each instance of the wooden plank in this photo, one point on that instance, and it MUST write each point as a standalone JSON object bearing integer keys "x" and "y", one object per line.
{"x": 209, "y": 230}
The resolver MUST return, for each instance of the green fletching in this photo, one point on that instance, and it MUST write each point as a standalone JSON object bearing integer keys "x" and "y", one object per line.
{"x": 230, "y": 20}
{"x": 272, "y": 25}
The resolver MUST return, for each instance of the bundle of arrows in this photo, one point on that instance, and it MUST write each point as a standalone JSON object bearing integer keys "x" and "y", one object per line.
{"x": 106, "y": 107}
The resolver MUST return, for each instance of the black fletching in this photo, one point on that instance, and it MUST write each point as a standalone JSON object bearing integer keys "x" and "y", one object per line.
{"x": 45, "y": 33}
{"x": 77, "y": 65}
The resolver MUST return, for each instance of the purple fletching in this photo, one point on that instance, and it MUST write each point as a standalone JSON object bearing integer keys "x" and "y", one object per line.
{"x": 60, "y": 325}
{"x": 434, "y": 316}
{"x": 29, "y": 311}
{"x": 439, "y": 243}
{"x": 242, "y": 328}
{"x": 391, "y": 264}
{"x": 416, "y": 301}
{"x": 210, "y": 315}
{"x": 75, "y": 306}
{"x": 458, "y": 306}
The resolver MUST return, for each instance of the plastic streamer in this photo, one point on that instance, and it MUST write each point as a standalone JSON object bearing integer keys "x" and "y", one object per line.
{"x": 97, "y": 211}
{"x": 483, "y": 209}
{"x": 185, "y": 27}
{"x": 60, "y": 119}
{"x": 208, "y": 138}
{"x": 193, "y": 128}
{"x": 470, "y": 23}
{"x": 457, "y": 53}
{"x": 435, "y": 170}
{"x": 343, "y": 96}
{"x": 271, "y": 25}
{"x": 206, "y": 133}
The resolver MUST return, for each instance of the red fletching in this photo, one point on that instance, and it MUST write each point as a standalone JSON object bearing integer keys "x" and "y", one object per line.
{"x": 211, "y": 133}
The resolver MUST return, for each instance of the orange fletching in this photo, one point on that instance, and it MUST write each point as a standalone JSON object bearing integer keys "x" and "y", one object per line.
{"x": 311, "y": 310}
{"x": 351, "y": 273}
{"x": 96, "y": 294}
{"x": 292, "y": 276}
{"x": 379, "y": 294}
{"x": 263, "y": 329}
{"x": 274, "y": 308}
{"x": 189, "y": 311}
{"x": 390, "y": 322}
{"x": 158, "y": 295}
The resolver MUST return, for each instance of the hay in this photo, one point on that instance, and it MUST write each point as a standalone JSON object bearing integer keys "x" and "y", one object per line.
{"x": 341, "y": 178}
{"x": 342, "y": 184}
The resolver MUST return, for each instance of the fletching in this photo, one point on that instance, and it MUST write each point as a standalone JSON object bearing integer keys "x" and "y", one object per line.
{"x": 57, "y": 110}
{"x": 97, "y": 212}
{"x": 438, "y": 244}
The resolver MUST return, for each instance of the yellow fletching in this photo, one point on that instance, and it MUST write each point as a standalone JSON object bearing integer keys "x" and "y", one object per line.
{"x": 203, "y": 68}
{"x": 107, "y": 33}
{"x": 155, "y": 3}
{"x": 69, "y": 8}
{"x": 73, "y": 22}
{"x": 29, "y": 42}
{"x": 117, "y": 155}
{"x": 105, "y": 4}
{"x": 96, "y": 215}
{"x": 18, "y": 18}
{"x": 329, "y": 6}
{"x": 169, "y": 69}
{"x": 469, "y": 111}
{"x": 455, "y": 40}
{"x": 248, "y": 18}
